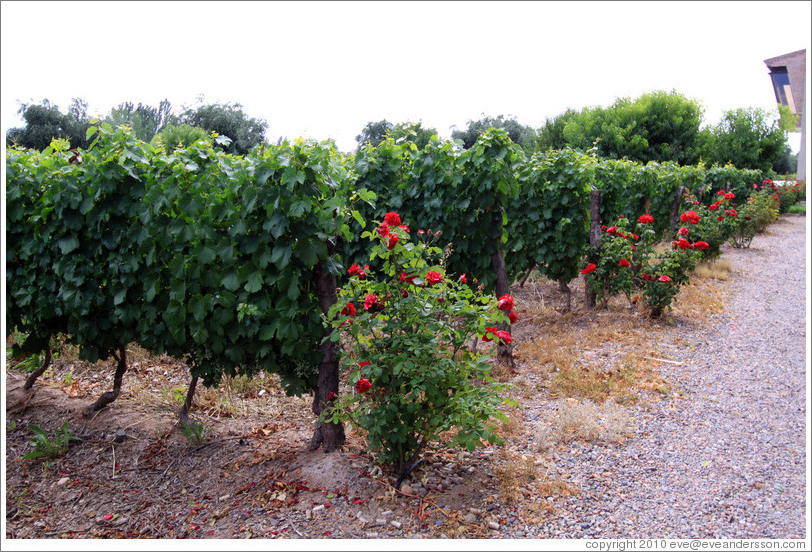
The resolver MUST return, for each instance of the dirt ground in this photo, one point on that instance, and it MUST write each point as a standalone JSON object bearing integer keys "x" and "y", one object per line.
{"x": 135, "y": 475}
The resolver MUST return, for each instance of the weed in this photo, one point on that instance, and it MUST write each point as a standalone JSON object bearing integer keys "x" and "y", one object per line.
{"x": 44, "y": 446}
{"x": 176, "y": 396}
{"x": 196, "y": 433}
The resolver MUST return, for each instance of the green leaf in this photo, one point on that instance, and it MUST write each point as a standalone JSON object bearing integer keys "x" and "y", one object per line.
{"x": 66, "y": 245}
{"x": 281, "y": 256}
{"x": 206, "y": 255}
{"x": 254, "y": 282}
{"x": 120, "y": 296}
{"x": 231, "y": 282}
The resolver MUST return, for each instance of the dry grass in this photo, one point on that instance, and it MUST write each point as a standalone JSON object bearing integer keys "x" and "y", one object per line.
{"x": 575, "y": 419}
{"x": 717, "y": 269}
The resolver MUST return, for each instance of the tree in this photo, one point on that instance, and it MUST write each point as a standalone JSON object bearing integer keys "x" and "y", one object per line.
{"x": 658, "y": 126}
{"x": 551, "y": 135}
{"x": 747, "y": 138}
{"x": 787, "y": 163}
{"x": 376, "y": 132}
{"x": 175, "y": 136}
{"x": 522, "y": 135}
{"x": 145, "y": 120}
{"x": 44, "y": 122}
{"x": 228, "y": 120}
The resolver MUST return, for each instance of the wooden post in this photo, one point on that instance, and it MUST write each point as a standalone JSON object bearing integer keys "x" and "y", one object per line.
{"x": 594, "y": 240}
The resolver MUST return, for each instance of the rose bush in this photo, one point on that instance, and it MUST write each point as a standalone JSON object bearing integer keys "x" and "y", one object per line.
{"x": 628, "y": 262}
{"x": 407, "y": 356}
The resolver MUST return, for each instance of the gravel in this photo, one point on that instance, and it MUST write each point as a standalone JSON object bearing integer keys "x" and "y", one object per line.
{"x": 725, "y": 457}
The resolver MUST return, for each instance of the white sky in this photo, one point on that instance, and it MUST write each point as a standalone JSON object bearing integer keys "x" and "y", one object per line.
{"x": 323, "y": 70}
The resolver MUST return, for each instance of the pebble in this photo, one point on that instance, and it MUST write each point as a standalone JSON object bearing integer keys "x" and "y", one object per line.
{"x": 735, "y": 416}
{"x": 63, "y": 481}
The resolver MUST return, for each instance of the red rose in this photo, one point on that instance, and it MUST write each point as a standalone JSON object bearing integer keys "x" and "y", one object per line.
{"x": 393, "y": 241}
{"x": 624, "y": 263}
{"x": 353, "y": 269}
{"x": 683, "y": 231}
{"x": 645, "y": 219}
{"x": 362, "y": 275}
{"x": 420, "y": 232}
{"x": 383, "y": 230}
{"x": 349, "y": 310}
{"x": 589, "y": 268}
{"x": 463, "y": 279}
{"x": 646, "y": 276}
{"x": 370, "y": 300}
{"x": 506, "y": 303}
{"x": 505, "y": 337}
{"x": 702, "y": 246}
{"x": 513, "y": 317}
{"x": 713, "y": 206}
{"x": 364, "y": 363}
{"x": 720, "y": 192}
{"x": 392, "y": 219}
{"x": 489, "y": 333}
{"x": 683, "y": 243}
{"x": 404, "y": 228}
{"x": 720, "y": 218}
{"x": 665, "y": 279}
{"x": 611, "y": 230}
{"x": 404, "y": 293}
{"x": 409, "y": 279}
{"x": 433, "y": 277}
{"x": 362, "y": 386}
{"x": 331, "y": 396}
{"x": 732, "y": 213}
{"x": 729, "y": 195}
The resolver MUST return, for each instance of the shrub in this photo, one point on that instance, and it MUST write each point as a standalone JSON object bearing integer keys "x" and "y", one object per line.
{"x": 754, "y": 216}
{"x": 413, "y": 376}
{"x": 711, "y": 224}
{"x": 625, "y": 266}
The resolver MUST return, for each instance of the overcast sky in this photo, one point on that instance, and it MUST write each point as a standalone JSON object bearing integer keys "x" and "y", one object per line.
{"x": 323, "y": 70}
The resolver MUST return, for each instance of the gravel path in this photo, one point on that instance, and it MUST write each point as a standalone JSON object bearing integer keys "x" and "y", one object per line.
{"x": 727, "y": 456}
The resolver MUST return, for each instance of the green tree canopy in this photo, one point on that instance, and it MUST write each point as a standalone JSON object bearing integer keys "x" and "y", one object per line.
{"x": 376, "y": 132}
{"x": 44, "y": 122}
{"x": 228, "y": 120}
{"x": 747, "y": 138}
{"x": 145, "y": 120}
{"x": 521, "y": 135}
{"x": 659, "y": 126}
{"x": 174, "y": 136}
{"x": 551, "y": 135}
